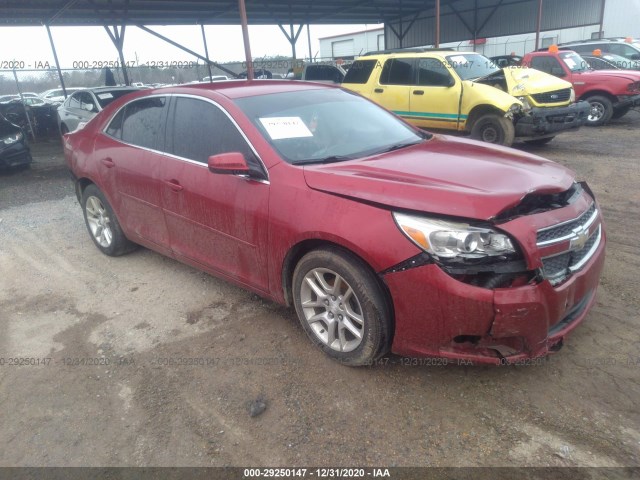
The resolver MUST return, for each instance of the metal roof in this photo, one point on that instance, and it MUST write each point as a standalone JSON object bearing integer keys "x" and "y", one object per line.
{"x": 208, "y": 12}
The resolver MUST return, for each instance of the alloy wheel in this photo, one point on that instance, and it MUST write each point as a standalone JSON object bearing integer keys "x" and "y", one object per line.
{"x": 99, "y": 221}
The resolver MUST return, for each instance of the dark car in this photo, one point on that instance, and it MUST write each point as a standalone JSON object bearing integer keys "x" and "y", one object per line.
{"x": 609, "y": 61}
{"x": 383, "y": 237}
{"x": 14, "y": 149}
{"x": 503, "y": 61}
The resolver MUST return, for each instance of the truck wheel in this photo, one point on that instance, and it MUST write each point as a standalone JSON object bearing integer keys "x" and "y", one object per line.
{"x": 493, "y": 128}
{"x": 601, "y": 111}
{"x": 620, "y": 112}
{"x": 539, "y": 141}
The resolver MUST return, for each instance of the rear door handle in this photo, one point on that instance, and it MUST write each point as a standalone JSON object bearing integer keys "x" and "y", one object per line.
{"x": 108, "y": 162}
{"x": 379, "y": 90}
{"x": 418, "y": 92}
{"x": 173, "y": 185}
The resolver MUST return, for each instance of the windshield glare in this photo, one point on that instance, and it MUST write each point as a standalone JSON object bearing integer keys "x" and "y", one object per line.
{"x": 470, "y": 66}
{"x": 574, "y": 61}
{"x": 325, "y": 125}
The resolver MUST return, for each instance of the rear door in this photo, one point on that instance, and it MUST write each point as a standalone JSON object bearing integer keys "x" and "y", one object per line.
{"x": 219, "y": 221}
{"x": 395, "y": 84}
{"x": 130, "y": 161}
{"x": 435, "y": 100}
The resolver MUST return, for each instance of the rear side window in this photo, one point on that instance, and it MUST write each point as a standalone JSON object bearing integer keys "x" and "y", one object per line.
{"x": 115, "y": 127}
{"x": 74, "y": 101}
{"x": 397, "y": 71}
{"x": 143, "y": 121}
{"x": 200, "y": 129}
{"x": 360, "y": 71}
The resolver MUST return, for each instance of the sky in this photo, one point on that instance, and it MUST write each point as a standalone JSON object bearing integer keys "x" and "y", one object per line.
{"x": 80, "y": 44}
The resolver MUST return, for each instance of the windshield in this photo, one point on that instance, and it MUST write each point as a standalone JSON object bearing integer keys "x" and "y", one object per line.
{"x": 314, "y": 126}
{"x": 574, "y": 61}
{"x": 470, "y": 66}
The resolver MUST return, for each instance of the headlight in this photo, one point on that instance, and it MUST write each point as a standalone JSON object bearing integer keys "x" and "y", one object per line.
{"x": 525, "y": 103}
{"x": 516, "y": 108}
{"x": 452, "y": 240}
{"x": 572, "y": 97}
{"x": 16, "y": 137}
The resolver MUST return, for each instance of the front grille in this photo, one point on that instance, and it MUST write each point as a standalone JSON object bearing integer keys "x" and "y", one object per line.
{"x": 556, "y": 96}
{"x": 558, "y": 267}
{"x": 563, "y": 230}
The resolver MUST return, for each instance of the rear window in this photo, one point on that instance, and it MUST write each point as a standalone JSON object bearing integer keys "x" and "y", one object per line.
{"x": 360, "y": 71}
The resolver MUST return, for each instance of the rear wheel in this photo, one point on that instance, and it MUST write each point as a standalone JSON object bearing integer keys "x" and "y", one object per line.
{"x": 601, "y": 110}
{"x": 341, "y": 306}
{"x": 493, "y": 128}
{"x": 620, "y": 112}
{"x": 539, "y": 141}
{"x": 103, "y": 226}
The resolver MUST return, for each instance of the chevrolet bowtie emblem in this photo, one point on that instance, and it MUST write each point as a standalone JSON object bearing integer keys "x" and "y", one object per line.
{"x": 580, "y": 238}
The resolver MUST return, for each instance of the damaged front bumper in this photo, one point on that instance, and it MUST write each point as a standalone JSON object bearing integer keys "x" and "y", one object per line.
{"x": 437, "y": 315}
{"x": 548, "y": 121}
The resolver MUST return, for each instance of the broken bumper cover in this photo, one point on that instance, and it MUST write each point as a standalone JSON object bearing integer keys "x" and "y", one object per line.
{"x": 15, "y": 155}
{"x": 628, "y": 101}
{"x": 548, "y": 121}
{"x": 438, "y": 316}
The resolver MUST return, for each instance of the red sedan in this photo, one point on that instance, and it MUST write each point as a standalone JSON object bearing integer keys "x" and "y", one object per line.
{"x": 382, "y": 236}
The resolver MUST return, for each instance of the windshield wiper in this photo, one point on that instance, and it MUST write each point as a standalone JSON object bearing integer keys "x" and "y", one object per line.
{"x": 330, "y": 159}
{"x": 396, "y": 146}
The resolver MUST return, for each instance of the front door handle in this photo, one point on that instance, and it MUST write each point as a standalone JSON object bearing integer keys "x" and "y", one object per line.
{"x": 379, "y": 90}
{"x": 174, "y": 185}
{"x": 108, "y": 162}
{"x": 418, "y": 92}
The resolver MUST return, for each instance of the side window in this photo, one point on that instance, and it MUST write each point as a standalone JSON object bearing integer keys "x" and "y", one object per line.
{"x": 200, "y": 129}
{"x": 360, "y": 71}
{"x": 546, "y": 64}
{"x": 622, "y": 50}
{"x": 86, "y": 102}
{"x": 115, "y": 127}
{"x": 397, "y": 71}
{"x": 143, "y": 121}
{"x": 433, "y": 73}
{"x": 74, "y": 101}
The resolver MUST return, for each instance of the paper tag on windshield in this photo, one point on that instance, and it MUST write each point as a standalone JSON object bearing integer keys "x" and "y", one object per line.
{"x": 458, "y": 59}
{"x": 570, "y": 63}
{"x": 104, "y": 96}
{"x": 280, "y": 128}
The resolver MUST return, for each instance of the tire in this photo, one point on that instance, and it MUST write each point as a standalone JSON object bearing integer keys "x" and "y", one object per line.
{"x": 620, "y": 112}
{"x": 539, "y": 141}
{"x": 102, "y": 224}
{"x": 352, "y": 328}
{"x": 601, "y": 111}
{"x": 493, "y": 128}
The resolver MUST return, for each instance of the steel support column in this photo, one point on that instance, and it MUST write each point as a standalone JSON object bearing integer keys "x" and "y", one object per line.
{"x": 117, "y": 37}
{"x": 437, "y": 23}
{"x": 245, "y": 38}
{"x": 309, "y": 40}
{"x": 538, "y": 24}
{"x": 55, "y": 57}
{"x": 206, "y": 51}
{"x": 601, "y": 32}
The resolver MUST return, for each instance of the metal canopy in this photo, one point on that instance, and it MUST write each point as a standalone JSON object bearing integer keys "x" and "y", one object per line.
{"x": 208, "y": 12}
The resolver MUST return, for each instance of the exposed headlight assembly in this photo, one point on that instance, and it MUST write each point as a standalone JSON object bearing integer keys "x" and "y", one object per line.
{"x": 11, "y": 139}
{"x": 526, "y": 106}
{"x": 455, "y": 241}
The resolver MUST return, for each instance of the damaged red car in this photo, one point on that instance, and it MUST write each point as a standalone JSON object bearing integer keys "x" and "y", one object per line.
{"x": 383, "y": 237}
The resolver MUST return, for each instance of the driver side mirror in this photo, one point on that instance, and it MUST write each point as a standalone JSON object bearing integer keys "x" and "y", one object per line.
{"x": 230, "y": 163}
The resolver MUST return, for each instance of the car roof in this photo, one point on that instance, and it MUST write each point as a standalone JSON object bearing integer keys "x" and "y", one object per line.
{"x": 111, "y": 89}
{"x": 245, "y": 88}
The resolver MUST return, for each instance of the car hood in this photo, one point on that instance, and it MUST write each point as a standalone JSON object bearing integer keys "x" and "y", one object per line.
{"x": 604, "y": 75}
{"x": 446, "y": 176}
{"x": 527, "y": 81}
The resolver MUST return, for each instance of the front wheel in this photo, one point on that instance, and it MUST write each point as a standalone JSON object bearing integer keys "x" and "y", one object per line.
{"x": 102, "y": 224}
{"x": 493, "y": 128}
{"x": 601, "y": 111}
{"x": 342, "y": 307}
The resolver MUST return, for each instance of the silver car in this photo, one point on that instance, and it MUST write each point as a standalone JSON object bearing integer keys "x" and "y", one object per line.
{"x": 83, "y": 105}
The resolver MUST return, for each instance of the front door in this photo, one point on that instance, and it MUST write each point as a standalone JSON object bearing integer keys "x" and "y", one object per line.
{"x": 217, "y": 220}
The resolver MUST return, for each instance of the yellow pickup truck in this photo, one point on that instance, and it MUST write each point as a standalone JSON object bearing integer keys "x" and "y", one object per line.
{"x": 466, "y": 92}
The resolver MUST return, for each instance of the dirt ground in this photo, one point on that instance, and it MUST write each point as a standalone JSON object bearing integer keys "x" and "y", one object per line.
{"x": 144, "y": 361}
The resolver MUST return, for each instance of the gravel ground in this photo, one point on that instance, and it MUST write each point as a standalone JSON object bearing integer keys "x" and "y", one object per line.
{"x": 151, "y": 322}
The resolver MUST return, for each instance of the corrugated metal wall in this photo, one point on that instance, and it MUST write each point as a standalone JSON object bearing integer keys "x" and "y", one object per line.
{"x": 509, "y": 18}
